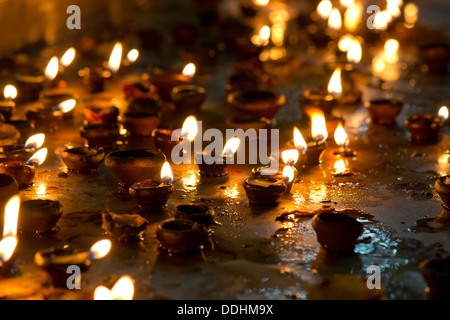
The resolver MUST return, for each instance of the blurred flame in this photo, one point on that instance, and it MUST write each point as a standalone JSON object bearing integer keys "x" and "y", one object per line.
{"x": 335, "y": 20}
{"x": 38, "y": 158}
{"x": 391, "y": 47}
{"x": 341, "y": 137}
{"x": 347, "y": 3}
{"x": 393, "y": 7}
{"x": 133, "y": 55}
{"x": 299, "y": 142}
{"x": 66, "y": 106}
{"x": 189, "y": 70}
{"x": 290, "y": 157}
{"x": 261, "y": 3}
{"x": 335, "y": 85}
{"x": 115, "y": 58}
{"x": 52, "y": 69}
{"x": 411, "y": 14}
{"x": 381, "y": 20}
{"x": 345, "y": 42}
{"x": 318, "y": 126}
{"x": 339, "y": 166}
{"x": 288, "y": 174}
{"x": 10, "y": 92}
{"x": 353, "y": 16}
{"x": 7, "y": 247}
{"x": 262, "y": 38}
{"x": 35, "y": 142}
{"x": 231, "y": 146}
{"x": 166, "y": 173}
{"x": 100, "y": 249}
{"x": 277, "y": 33}
{"x": 11, "y": 217}
{"x": 123, "y": 289}
{"x": 324, "y": 9}
{"x": 443, "y": 113}
{"x": 190, "y": 128}
{"x": 354, "y": 53}
{"x": 102, "y": 293}
{"x": 68, "y": 57}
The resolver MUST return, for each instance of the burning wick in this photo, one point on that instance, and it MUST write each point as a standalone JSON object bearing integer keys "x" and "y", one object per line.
{"x": 99, "y": 250}
{"x": 288, "y": 174}
{"x": 443, "y": 113}
{"x": 35, "y": 142}
{"x": 10, "y": 92}
{"x": 68, "y": 57}
{"x": 9, "y": 242}
{"x": 66, "y": 106}
{"x": 290, "y": 157}
{"x": 38, "y": 158}
{"x": 189, "y": 130}
{"x": 189, "y": 70}
{"x": 341, "y": 170}
{"x": 166, "y": 174}
{"x": 342, "y": 140}
{"x": 231, "y": 147}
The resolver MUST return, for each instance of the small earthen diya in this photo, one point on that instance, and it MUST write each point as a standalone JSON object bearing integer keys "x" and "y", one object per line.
{"x": 314, "y": 153}
{"x": 124, "y": 227}
{"x": 48, "y": 119}
{"x": 436, "y": 273}
{"x": 211, "y": 167}
{"x": 51, "y": 98}
{"x": 95, "y": 79}
{"x": 264, "y": 191}
{"x": 30, "y": 85}
{"x": 424, "y": 128}
{"x": 196, "y": 213}
{"x": 165, "y": 79}
{"x": 162, "y": 138}
{"x": 8, "y": 187}
{"x": 141, "y": 124}
{"x": 26, "y": 128}
{"x": 264, "y": 103}
{"x": 284, "y": 173}
{"x": 182, "y": 236}
{"x": 7, "y": 105}
{"x": 39, "y": 216}
{"x": 188, "y": 99}
{"x": 139, "y": 90}
{"x": 317, "y": 98}
{"x": 384, "y": 111}
{"x": 102, "y": 135}
{"x": 83, "y": 159}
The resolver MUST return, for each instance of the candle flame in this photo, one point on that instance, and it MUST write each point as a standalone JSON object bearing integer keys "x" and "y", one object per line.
{"x": 345, "y": 42}
{"x": 7, "y": 247}
{"x": 11, "y": 217}
{"x": 35, "y": 142}
{"x": 324, "y": 9}
{"x": 133, "y": 55}
{"x": 66, "y": 106}
{"x": 261, "y": 3}
{"x": 288, "y": 174}
{"x": 354, "y": 53}
{"x": 290, "y": 157}
{"x": 52, "y": 69}
{"x": 122, "y": 290}
{"x": 341, "y": 137}
{"x": 115, "y": 58}
{"x": 68, "y": 57}
{"x": 10, "y": 92}
{"x": 38, "y": 158}
{"x": 339, "y": 166}
{"x": 335, "y": 84}
{"x": 299, "y": 141}
{"x": 335, "y": 20}
{"x": 231, "y": 146}
{"x": 189, "y": 70}
{"x": 166, "y": 173}
{"x": 443, "y": 113}
{"x": 190, "y": 128}
{"x": 318, "y": 126}
{"x": 100, "y": 249}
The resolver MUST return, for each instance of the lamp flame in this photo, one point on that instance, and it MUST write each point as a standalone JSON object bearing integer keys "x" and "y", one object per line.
{"x": 166, "y": 173}
{"x": 290, "y": 157}
{"x": 318, "y": 126}
{"x": 66, "y": 106}
{"x": 354, "y": 53}
{"x": 11, "y": 217}
{"x": 100, "y": 249}
{"x": 35, "y": 142}
{"x": 341, "y": 137}
{"x": 102, "y": 293}
{"x": 115, "y": 58}
{"x": 189, "y": 70}
{"x": 122, "y": 290}
{"x": 353, "y": 16}
{"x": 335, "y": 85}
{"x": 261, "y": 3}
{"x": 339, "y": 166}
{"x": 52, "y": 69}
{"x": 391, "y": 47}
{"x": 231, "y": 146}
{"x": 10, "y": 92}
{"x": 68, "y": 57}
{"x": 38, "y": 158}
{"x": 133, "y": 55}
{"x": 324, "y": 9}
{"x": 335, "y": 20}
{"x": 190, "y": 128}
{"x": 411, "y": 14}
{"x": 288, "y": 174}
{"x": 381, "y": 20}
{"x": 443, "y": 113}
{"x": 299, "y": 141}
{"x": 345, "y": 42}
{"x": 7, "y": 247}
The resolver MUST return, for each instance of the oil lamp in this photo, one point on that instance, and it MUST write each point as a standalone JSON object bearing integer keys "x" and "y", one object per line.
{"x": 101, "y": 135}
{"x": 442, "y": 186}
{"x": 123, "y": 289}
{"x": 9, "y": 240}
{"x": 24, "y": 172}
{"x": 20, "y": 152}
{"x": 29, "y": 85}
{"x": 83, "y": 159}
{"x": 299, "y": 144}
{"x": 341, "y": 170}
{"x": 7, "y": 105}
{"x": 264, "y": 191}
{"x": 425, "y": 128}
{"x": 49, "y": 119}
{"x": 127, "y": 228}
{"x": 316, "y": 147}
{"x": 101, "y": 111}
{"x": 188, "y": 99}
{"x": 142, "y": 117}
{"x": 39, "y": 216}
{"x": 182, "y": 236}
{"x": 342, "y": 141}
{"x": 285, "y": 173}
{"x": 210, "y": 166}
{"x": 152, "y": 195}
{"x": 165, "y": 79}
{"x": 197, "y": 213}
{"x": 384, "y": 111}
{"x": 261, "y": 102}
{"x": 435, "y": 272}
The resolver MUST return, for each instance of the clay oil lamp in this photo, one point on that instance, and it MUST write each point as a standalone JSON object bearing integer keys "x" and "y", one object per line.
{"x": 425, "y": 128}
{"x": 131, "y": 166}
{"x": 188, "y": 99}
{"x": 139, "y": 89}
{"x": 7, "y": 105}
{"x": 436, "y": 272}
{"x": 165, "y": 79}
{"x": 264, "y": 191}
{"x": 83, "y": 159}
{"x": 152, "y": 195}
{"x": 101, "y": 135}
{"x": 182, "y": 236}
{"x": 211, "y": 165}
{"x": 24, "y": 172}
{"x": 384, "y": 111}
{"x": 342, "y": 141}
{"x": 318, "y": 144}
{"x": 337, "y": 232}
{"x": 436, "y": 56}
{"x": 29, "y": 85}
{"x": 341, "y": 170}
{"x": 317, "y": 98}
{"x": 57, "y": 260}
{"x": 18, "y": 152}
{"x": 261, "y": 102}
{"x": 122, "y": 290}
{"x": 286, "y": 173}
{"x": 126, "y": 228}
{"x": 141, "y": 123}
{"x": 51, "y": 98}
{"x": 9, "y": 239}
{"x": 196, "y": 213}
{"x": 166, "y": 139}
{"x": 39, "y": 216}
{"x": 49, "y": 119}
{"x": 100, "y": 111}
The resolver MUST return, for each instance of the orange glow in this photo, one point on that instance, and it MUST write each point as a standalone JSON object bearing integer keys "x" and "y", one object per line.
{"x": 347, "y": 3}
{"x": 353, "y": 16}
{"x": 318, "y": 126}
{"x": 299, "y": 142}
{"x": 102, "y": 293}
{"x": 166, "y": 173}
{"x": 189, "y": 70}
{"x": 123, "y": 289}
{"x": 354, "y": 53}
{"x": 411, "y": 14}
{"x": 38, "y": 158}
{"x": 11, "y": 217}
{"x": 345, "y": 42}
{"x": 324, "y": 9}
{"x": 443, "y": 113}
{"x": 10, "y": 92}
{"x": 7, "y": 247}
{"x": 339, "y": 166}
{"x": 288, "y": 174}
{"x": 231, "y": 146}
{"x": 35, "y": 142}
{"x": 341, "y": 137}
{"x": 290, "y": 157}
{"x": 190, "y": 128}
{"x": 381, "y": 20}
{"x": 261, "y": 3}
{"x": 335, "y": 84}
{"x": 262, "y": 39}
{"x": 66, "y": 106}
{"x": 391, "y": 47}
{"x": 100, "y": 249}
{"x": 52, "y": 69}
{"x": 133, "y": 55}
{"x": 335, "y": 20}
{"x": 68, "y": 57}
{"x": 116, "y": 58}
